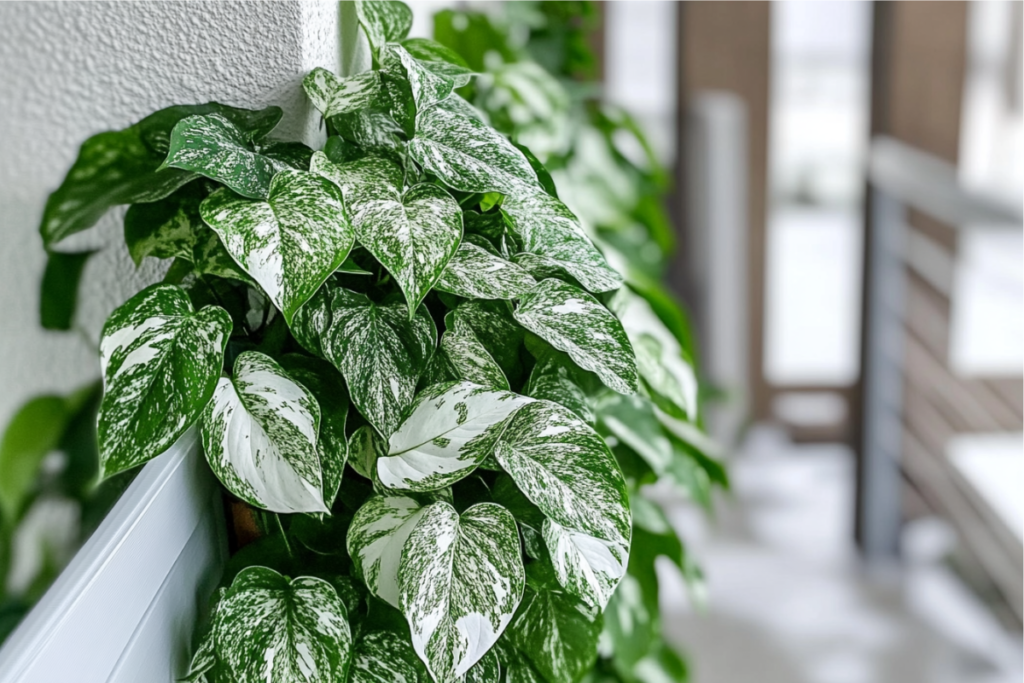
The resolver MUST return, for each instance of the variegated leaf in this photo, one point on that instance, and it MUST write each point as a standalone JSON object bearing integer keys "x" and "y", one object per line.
{"x": 465, "y": 358}
{"x": 269, "y": 628}
{"x": 163, "y": 229}
{"x": 213, "y": 146}
{"x": 373, "y": 132}
{"x": 487, "y": 670}
{"x": 311, "y": 321}
{"x": 160, "y": 361}
{"x": 475, "y": 273}
{"x": 384, "y": 20}
{"x": 209, "y": 257}
{"x": 667, "y": 376}
{"x": 384, "y": 657}
{"x": 553, "y": 630}
{"x": 567, "y": 471}
{"x": 260, "y": 435}
{"x": 365, "y": 446}
{"x": 124, "y": 167}
{"x": 493, "y": 325}
{"x": 413, "y": 233}
{"x": 575, "y": 322}
{"x": 468, "y": 155}
{"x": 440, "y": 59}
{"x": 376, "y": 538}
{"x": 552, "y": 379}
{"x": 332, "y": 95}
{"x": 553, "y": 242}
{"x": 326, "y": 384}
{"x": 632, "y": 420}
{"x": 412, "y": 87}
{"x": 381, "y": 352}
{"x": 449, "y": 430}
{"x": 460, "y": 580}
{"x": 289, "y": 243}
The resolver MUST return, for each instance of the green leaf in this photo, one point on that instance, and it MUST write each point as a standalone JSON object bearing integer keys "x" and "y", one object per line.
{"x": 311, "y": 321}
{"x": 629, "y": 624}
{"x": 332, "y": 95}
{"x": 412, "y": 87}
{"x": 32, "y": 434}
{"x": 291, "y": 242}
{"x": 260, "y": 435}
{"x": 493, "y": 325}
{"x": 575, "y": 322}
{"x": 372, "y": 131}
{"x": 364, "y": 448}
{"x": 662, "y": 664}
{"x": 58, "y": 296}
{"x": 461, "y": 579}
{"x": 210, "y": 257}
{"x": 123, "y": 167}
{"x": 270, "y": 628}
{"x": 413, "y": 233}
{"x": 468, "y": 155}
{"x": 376, "y": 538}
{"x": 667, "y": 376}
{"x": 553, "y": 630}
{"x": 449, "y": 430}
{"x": 381, "y": 352}
{"x": 384, "y": 21}
{"x": 160, "y": 361}
{"x": 554, "y": 242}
{"x": 163, "y": 229}
{"x": 384, "y": 657}
{"x": 487, "y": 670}
{"x": 632, "y": 420}
{"x": 328, "y": 388}
{"x": 439, "y": 59}
{"x": 474, "y": 273}
{"x": 567, "y": 471}
{"x": 216, "y": 147}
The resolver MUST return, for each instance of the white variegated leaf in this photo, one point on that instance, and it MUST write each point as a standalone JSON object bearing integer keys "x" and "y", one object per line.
{"x": 381, "y": 352}
{"x": 160, "y": 362}
{"x": 376, "y": 538}
{"x": 474, "y": 273}
{"x": 412, "y": 86}
{"x": 332, "y": 95}
{"x": 575, "y": 322}
{"x": 268, "y": 628}
{"x": 384, "y": 20}
{"x": 487, "y": 670}
{"x": 440, "y": 59}
{"x": 467, "y": 359}
{"x": 449, "y": 430}
{"x": 632, "y": 420}
{"x": 214, "y": 146}
{"x": 260, "y": 436}
{"x": 460, "y": 580}
{"x": 468, "y": 155}
{"x": 289, "y": 243}
{"x": 384, "y": 657}
{"x": 563, "y": 466}
{"x": 553, "y": 242}
{"x": 668, "y": 377}
{"x": 493, "y": 325}
{"x": 413, "y": 233}
{"x": 552, "y": 379}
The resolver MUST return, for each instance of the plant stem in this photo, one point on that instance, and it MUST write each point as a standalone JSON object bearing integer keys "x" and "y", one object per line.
{"x": 284, "y": 536}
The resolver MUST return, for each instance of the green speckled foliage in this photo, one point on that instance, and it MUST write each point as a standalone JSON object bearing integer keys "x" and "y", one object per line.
{"x": 412, "y": 361}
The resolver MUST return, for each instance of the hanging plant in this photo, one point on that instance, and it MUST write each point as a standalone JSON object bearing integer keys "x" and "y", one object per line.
{"x": 405, "y": 358}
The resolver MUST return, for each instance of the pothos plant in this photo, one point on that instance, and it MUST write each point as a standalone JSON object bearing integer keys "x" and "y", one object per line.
{"x": 392, "y": 349}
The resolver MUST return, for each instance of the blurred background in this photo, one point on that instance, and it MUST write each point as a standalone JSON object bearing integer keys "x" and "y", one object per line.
{"x": 846, "y": 199}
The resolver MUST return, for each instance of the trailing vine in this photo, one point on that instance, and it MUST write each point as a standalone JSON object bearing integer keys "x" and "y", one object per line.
{"x": 409, "y": 361}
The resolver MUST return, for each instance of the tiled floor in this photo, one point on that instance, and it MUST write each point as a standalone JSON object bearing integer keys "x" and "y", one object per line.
{"x": 789, "y": 603}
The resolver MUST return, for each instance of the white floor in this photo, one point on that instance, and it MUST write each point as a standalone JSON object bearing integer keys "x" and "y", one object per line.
{"x": 789, "y": 602}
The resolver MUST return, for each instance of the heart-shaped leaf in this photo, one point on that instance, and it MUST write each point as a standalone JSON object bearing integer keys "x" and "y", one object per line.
{"x": 493, "y": 325}
{"x": 474, "y": 273}
{"x": 554, "y": 243}
{"x": 563, "y": 466}
{"x": 269, "y": 628}
{"x": 291, "y": 242}
{"x": 449, "y": 430}
{"x": 381, "y": 352}
{"x": 332, "y": 95}
{"x": 461, "y": 356}
{"x": 215, "y": 147}
{"x": 385, "y": 657}
{"x": 468, "y": 155}
{"x": 413, "y": 233}
{"x": 375, "y": 540}
{"x": 124, "y": 167}
{"x": 461, "y": 579}
{"x": 412, "y": 87}
{"x": 384, "y": 20}
{"x": 160, "y": 361}
{"x": 575, "y": 322}
{"x": 439, "y": 59}
{"x": 260, "y": 435}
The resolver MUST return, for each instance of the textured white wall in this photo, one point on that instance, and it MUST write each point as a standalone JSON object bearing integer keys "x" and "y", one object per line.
{"x": 72, "y": 69}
